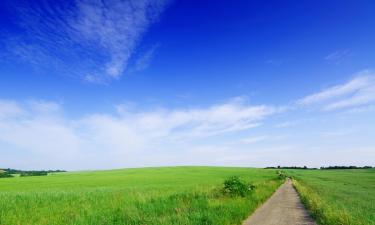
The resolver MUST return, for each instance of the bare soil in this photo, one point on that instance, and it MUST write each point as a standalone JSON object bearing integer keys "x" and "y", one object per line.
{"x": 283, "y": 208}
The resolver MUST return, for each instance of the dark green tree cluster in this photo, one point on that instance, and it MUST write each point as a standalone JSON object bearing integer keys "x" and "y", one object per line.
{"x": 25, "y": 173}
{"x": 4, "y": 174}
{"x": 291, "y": 167}
{"x": 345, "y": 167}
{"x": 33, "y": 173}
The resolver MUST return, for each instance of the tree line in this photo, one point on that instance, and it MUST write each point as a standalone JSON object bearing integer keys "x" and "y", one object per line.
{"x": 322, "y": 167}
{"x": 26, "y": 173}
{"x": 345, "y": 167}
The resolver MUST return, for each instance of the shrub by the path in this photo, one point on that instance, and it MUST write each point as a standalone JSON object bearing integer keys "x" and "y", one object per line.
{"x": 234, "y": 186}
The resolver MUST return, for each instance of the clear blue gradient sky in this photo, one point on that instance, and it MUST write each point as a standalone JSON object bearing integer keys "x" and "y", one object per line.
{"x": 109, "y": 84}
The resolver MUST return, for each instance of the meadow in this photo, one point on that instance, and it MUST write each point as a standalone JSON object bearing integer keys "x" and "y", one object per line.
{"x": 338, "y": 197}
{"x": 174, "y": 195}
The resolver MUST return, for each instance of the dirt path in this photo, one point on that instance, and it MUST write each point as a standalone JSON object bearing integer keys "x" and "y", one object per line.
{"x": 283, "y": 208}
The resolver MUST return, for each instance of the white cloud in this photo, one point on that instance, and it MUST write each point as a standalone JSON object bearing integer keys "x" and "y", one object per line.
{"x": 252, "y": 140}
{"x": 116, "y": 26}
{"x": 337, "y": 56}
{"x": 44, "y": 107}
{"x": 40, "y": 131}
{"x": 286, "y": 124}
{"x": 231, "y": 116}
{"x": 356, "y": 92}
{"x": 263, "y": 139}
{"x": 144, "y": 60}
{"x": 92, "y": 39}
{"x": 337, "y": 133}
{"x": 9, "y": 109}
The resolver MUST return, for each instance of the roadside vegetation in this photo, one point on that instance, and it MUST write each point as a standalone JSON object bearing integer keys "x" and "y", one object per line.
{"x": 175, "y": 195}
{"x": 337, "y": 197}
{"x": 234, "y": 186}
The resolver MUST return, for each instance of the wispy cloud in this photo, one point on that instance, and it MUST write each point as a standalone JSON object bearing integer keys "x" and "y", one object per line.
{"x": 231, "y": 116}
{"x": 286, "y": 124}
{"x": 90, "y": 39}
{"x": 337, "y": 56}
{"x": 357, "y": 92}
{"x": 263, "y": 138}
{"x": 39, "y": 128}
{"x": 231, "y": 132}
{"x": 337, "y": 133}
{"x": 144, "y": 60}
{"x": 9, "y": 109}
{"x": 252, "y": 140}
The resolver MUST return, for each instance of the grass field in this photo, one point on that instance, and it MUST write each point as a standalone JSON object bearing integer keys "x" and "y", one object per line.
{"x": 179, "y": 195}
{"x": 338, "y": 197}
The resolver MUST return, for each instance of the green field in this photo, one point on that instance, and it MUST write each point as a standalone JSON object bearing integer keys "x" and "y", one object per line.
{"x": 338, "y": 197}
{"x": 176, "y": 195}
{"x": 179, "y": 195}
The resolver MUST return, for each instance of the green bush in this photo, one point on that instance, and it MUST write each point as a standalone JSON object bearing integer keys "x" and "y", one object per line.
{"x": 4, "y": 174}
{"x": 234, "y": 186}
{"x": 281, "y": 175}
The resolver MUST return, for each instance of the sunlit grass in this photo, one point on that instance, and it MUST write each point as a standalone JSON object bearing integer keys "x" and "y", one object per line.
{"x": 179, "y": 195}
{"x": 338, "y": 197}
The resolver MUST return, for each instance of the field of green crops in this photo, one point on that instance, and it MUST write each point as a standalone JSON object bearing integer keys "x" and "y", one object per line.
{"x": 175, "y": 195}
{"x": 338, "y": 197}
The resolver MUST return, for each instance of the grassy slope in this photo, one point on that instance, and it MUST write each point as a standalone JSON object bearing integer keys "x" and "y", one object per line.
{"x": 338, "y": 197}
{"x": 179, "y": 195}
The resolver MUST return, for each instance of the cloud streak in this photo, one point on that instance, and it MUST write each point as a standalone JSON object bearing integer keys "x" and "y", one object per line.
{"x": 337, "y": 56}
{"x": 40, "y": 129}
{"x": 37, "y": 133}
{"x": 90, "y": 39}
{"x": 357, "y": 92}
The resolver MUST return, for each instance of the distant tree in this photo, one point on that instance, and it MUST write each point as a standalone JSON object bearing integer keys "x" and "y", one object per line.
{"x": 291, "y": 167}
{"x": 34, "y": 173}
{"x": 344, "y": 167}
{"x": 26, "y": 173}
{"x": 4, "y": 174}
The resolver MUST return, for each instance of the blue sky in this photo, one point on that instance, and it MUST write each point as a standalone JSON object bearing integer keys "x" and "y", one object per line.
{"x": 112, "y": 84}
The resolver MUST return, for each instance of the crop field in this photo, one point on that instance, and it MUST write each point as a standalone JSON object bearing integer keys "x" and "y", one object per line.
{"x": 338, "y": 197}
{"x": 170, "y": 195}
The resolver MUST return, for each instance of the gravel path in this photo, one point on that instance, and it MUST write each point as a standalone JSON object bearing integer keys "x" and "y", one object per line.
{"x": 283, "y": 208}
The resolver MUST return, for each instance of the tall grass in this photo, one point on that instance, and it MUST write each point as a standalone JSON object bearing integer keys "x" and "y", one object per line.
{"x": 182, "y": 195}
{"x": 322, "y": 211}
{"x": 338, "y": 197}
